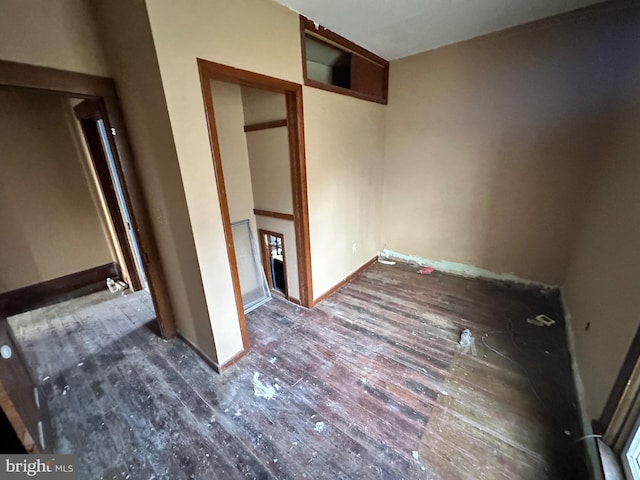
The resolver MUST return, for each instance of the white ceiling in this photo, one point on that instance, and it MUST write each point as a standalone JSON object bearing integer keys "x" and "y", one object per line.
{"x": 398, "y": 28}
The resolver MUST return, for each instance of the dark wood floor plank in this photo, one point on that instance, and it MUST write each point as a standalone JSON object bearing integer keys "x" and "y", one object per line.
{"x": 369, "y": 384}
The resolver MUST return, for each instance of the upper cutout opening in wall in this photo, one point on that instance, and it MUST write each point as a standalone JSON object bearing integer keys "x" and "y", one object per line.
{"x": 333, "y": 63}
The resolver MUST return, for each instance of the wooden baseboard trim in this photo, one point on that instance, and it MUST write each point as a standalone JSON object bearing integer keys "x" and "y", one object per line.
{"x": 344, "y": 281}
{"x": 208, "y": 360}
{"x": 233, "y": 360}
{"x": 294, "y": 300}
{"x": 57, "y": 289}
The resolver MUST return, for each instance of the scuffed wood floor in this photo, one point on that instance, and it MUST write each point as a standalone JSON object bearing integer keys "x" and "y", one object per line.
{"x": 369, "y": 384}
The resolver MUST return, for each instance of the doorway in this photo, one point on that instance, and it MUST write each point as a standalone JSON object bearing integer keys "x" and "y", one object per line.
{"x": 104, "y": 119}
{"x": 210, "y": 73}
{"x": 91, "y": 117}
{"x": 274, "y": 260}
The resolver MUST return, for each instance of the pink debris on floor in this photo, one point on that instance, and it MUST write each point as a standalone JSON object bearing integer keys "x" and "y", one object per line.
{"x": 425, "y": 271}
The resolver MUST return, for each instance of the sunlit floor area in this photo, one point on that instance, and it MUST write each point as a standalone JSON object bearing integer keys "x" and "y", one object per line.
{"x": 371, "y": 383}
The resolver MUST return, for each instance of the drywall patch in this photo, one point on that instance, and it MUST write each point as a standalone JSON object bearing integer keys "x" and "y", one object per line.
{"x": 460, "y": 269}
{"x": 260, "y": 389}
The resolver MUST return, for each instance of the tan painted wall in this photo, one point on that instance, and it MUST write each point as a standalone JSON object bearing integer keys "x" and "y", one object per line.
{"x": 270, "y": 169}
{"x": 268, "y": 150}
{"x": 124, "y": 26}
{"x": 51, "y": 226}
{"x": 227, "y": 105}
{"x": 263, "y": 105}
{"x": 602, "y": 287}
{"x": 52, "y": 33}
{"x": 491, "y": 145}
{"x": 228, "y": 108}
{"x": 271, "y": 172}
{"x": 345, "y": 153}
{"x": 267, "y": 43}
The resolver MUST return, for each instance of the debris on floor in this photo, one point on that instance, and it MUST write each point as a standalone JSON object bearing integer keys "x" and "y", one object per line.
{"x": 541, "y": 321}
{"x": 386, "y": 262}
{"x": 319, "y": 427}
{"x": 116, "y": 286}
{"x": 426, "y": 270}
{"x": 467, "y": 342}
{"x": 262, "y": 390}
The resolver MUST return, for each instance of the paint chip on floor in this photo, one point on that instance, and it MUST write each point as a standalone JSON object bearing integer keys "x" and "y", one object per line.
{"x": 260, "y": 389}
{"x": 416, "y": 456}
{"x": 319, "y": 427}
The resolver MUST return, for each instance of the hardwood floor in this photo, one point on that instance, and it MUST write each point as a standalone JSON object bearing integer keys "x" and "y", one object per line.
{"x": 371, "y": 383}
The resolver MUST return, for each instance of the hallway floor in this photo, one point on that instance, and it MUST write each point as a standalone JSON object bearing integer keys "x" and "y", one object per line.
{"x": 371, "y": 383}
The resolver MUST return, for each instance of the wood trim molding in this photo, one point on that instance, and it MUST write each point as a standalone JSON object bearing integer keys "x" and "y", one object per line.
{"x": 343, "y": 91}
{"x": 601, "y": 426}
{"x": 73, "y": 84}
{"x": 265, "y": 253}
{"x": 205, "y": 82}
{"x": 17, "y": 422}
{"x": 295, "y": 301}
{"x": 48, "y": 292}
{"x": 88, "y": 113}
{"x": 338, "y": 40}
{"x": 293, "y": 94}
{"x": 231, "y": 361}
{"x": 344, "y": 281}
{"x": 295, "y": 116}
{"x": 308, "y": 27}
{"x": 269, "y": 213}
{"x": 78, "y": 85}
{"x": 265, "y": 125}
{"x": 208, "y": 360}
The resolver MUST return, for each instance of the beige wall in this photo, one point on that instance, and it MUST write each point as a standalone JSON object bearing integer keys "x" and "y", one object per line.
{"x": 51, "y": 225}
{"x": 227, "y": 105}
{"x": 124, "y": 26}
{"x": 491, "y": 145}
{"x": 268, "y": 151}
{"x": 228, "y": 108}
{"x": 263, "y": 105}
{"x": 345, "y": 153}
{"x": 271, "y": 169}
{"x": 52, "y": 33}
{"x": 519, "y": 153}
{"x": 269, "y": 44}
{"x": 602, "y": 287}
{"x": 271, "y": 172}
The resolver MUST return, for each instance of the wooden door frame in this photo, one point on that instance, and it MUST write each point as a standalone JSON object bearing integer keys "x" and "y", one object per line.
{"x": 88, "y": 112}
{"x": 293, "y": 93}
{"x": 19, "y": 76}
{"x": 265, "y": 254}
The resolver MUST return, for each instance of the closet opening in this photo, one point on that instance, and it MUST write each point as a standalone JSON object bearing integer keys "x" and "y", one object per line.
{"x": 274, "y": 261}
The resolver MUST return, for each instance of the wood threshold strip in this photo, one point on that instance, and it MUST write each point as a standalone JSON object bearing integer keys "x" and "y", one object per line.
{"x": 268, "y": 213}
{"x": 265, "y": 125}
{"x": 344, "y": 281}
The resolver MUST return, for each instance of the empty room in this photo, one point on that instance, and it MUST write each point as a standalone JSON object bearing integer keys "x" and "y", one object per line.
{"x": 320, "y": 240}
